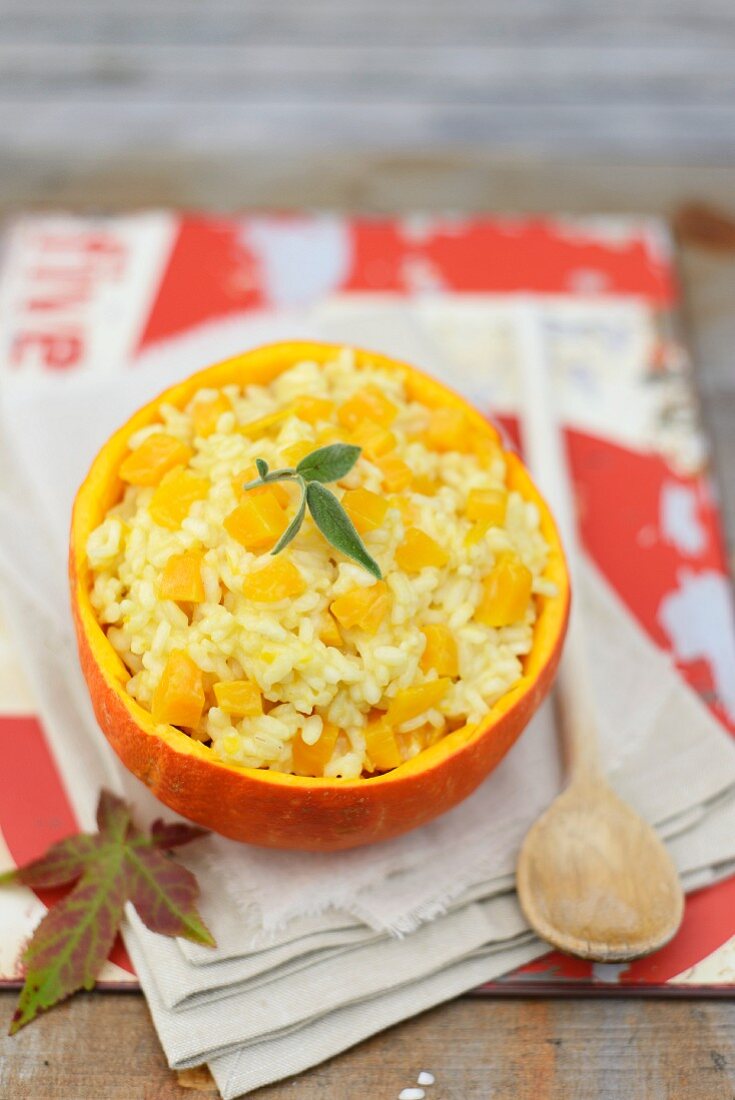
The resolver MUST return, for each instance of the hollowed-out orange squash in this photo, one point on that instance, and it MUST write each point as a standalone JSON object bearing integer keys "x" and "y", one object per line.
{"x": 267, "y": 807}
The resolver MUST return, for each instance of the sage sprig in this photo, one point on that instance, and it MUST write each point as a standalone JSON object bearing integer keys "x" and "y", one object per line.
{"x": 314, "y": 470}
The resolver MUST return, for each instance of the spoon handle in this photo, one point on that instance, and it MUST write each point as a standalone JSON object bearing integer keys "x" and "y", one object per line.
{"x": 546, "y": 457}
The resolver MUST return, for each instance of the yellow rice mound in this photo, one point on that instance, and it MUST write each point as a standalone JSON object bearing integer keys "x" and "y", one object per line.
{"x": 315, "y": 676}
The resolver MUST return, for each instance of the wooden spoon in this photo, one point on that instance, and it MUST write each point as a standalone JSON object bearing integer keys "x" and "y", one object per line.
{"x": 593, "y": 878}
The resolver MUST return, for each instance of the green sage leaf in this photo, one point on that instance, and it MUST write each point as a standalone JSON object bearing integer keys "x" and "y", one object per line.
{"x": 337, "y": 527}
{"x": 329, "y": 463}
{"x": 294, "y": 526}
{"x": 262, "y": 467}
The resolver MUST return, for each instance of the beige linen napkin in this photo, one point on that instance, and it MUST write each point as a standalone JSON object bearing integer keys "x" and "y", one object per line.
{"x": 306, "y": 962}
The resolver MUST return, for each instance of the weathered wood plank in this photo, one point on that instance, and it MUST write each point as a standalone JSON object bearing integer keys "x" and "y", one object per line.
{"x": 638, "y": 80}
{"x": 481, "y": 75}
{"x": 83, "y": 127}
{"x": 364, "y": 22}
{"x": 102, "y": 1047}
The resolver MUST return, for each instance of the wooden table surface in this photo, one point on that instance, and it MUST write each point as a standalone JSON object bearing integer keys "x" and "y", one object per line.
{"x": 102, "y": 1046}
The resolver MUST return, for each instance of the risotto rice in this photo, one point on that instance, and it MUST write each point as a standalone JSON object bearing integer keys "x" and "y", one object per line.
{"x": 304, "y": 662}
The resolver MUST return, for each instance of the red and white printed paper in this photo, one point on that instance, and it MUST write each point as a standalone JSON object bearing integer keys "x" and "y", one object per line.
{"x": 80, "y": 294}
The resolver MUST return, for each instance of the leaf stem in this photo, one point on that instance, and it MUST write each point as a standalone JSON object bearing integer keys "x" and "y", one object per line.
{"x": 315, "y": 469}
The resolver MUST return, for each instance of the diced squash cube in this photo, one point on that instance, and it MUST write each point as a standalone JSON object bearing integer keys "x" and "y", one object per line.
{"x": 206, "y": 414}
{"x": 416, "y": 700}
{"x": 254, "y": 429}
{"x": 156, "y": 455}
{"x": 332, "y": 434}
{"x": 381, "y": 745}
{"x": 314, "y": 409}
{"x": 366, "y": 510}
{"x": 411, "y": 742}
{"x": 363, "y": 607}
{"x": 477, "y": 532}
{"x": 258, "y": 522}
{"x": 182, "y": 578}
{"x": 487, "y": 505}
{"x": 373, "y": 438}
{"x": 397, "y": 476}
{"x": 276, "y": 488}
{"x": 330, "y": 633}
{"x": 312, "y": 759}
{"x": 441, "y": 650}
{"x": 179, "y": 698}
{"x": 239, "y": 697}
{"x": 173, "y": 498}
{"x": 448, "y": 431}
{"x": 198, "y": 734}
{"x": 506, "y": 592}
{"x": 293, "y": 454}
{"x": 487, "y": 451}
{"x": 425, "y": 485}
{"x": 367, "y": 404}
{"x": 419, "y": 550}
{"x": 279, "y": 580}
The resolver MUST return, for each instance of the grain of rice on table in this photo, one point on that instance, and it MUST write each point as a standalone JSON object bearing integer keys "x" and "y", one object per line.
{"x": 318, "y": 685}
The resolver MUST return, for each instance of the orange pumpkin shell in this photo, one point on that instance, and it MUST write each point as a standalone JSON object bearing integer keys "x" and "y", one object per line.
{"x": 267, "y": 807}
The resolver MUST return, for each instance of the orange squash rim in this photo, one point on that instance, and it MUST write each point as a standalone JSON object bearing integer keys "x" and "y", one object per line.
{"x": 101, "y": 488}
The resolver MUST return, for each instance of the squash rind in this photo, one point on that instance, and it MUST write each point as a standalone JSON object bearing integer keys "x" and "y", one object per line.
{"x": 275, "y": 809}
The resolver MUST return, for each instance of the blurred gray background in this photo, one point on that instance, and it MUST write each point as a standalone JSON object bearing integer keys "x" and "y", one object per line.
{"x": 86, "y": 84}
{"x": 635, "y": 79}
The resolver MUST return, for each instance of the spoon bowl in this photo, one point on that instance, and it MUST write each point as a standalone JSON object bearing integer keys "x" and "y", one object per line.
{"x": 594, "y": 880}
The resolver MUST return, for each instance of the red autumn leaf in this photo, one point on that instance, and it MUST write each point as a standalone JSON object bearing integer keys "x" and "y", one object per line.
{"x": 115, "y": 865}
{"x": 64, "y": 862}
{"x": 72, "y": 941}
{"x": 163, "y": 893}
{"x": 174, "y": 833}
{"x": 113, "y": 815}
